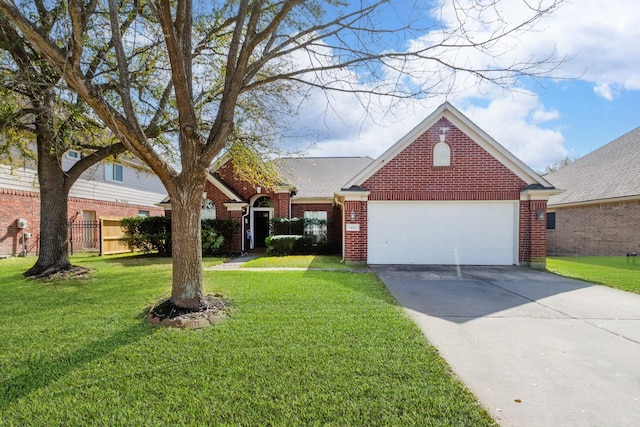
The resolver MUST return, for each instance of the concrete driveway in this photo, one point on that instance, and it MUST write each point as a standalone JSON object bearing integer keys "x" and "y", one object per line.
{"x": 535, "y": 348}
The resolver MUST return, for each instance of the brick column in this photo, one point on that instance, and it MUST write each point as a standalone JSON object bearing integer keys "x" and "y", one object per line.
{"x": 355, "y": 230}
{"x": 533, "y": 233}
{"x": 355, "y": 250}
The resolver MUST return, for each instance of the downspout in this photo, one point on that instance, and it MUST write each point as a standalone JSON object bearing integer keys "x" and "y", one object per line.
{"x": 343, "y": 226}
{"x": 243, "y": 236}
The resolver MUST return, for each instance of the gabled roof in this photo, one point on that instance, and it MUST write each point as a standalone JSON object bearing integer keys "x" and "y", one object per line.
{"x": 610, "y": 172}
{"x": 319, "y": 177}
{"x": 226, "y": 190}
{"x": 459, "y": 120}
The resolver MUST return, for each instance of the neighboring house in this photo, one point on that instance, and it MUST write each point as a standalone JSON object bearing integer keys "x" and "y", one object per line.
{"x": 446, "y": 193}
{"x": 599, "y": 213}
{"x": 105, "y": 190}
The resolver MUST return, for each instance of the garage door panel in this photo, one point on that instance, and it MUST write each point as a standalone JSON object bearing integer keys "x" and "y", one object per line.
{"x": 480, "y": 233}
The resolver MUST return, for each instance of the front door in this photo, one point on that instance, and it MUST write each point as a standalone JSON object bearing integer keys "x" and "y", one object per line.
{"x": 261, "y": 228}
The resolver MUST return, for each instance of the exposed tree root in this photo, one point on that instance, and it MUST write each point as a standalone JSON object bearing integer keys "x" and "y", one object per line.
{"x": 166, "y": 313}
{"x": 52, "y": 273}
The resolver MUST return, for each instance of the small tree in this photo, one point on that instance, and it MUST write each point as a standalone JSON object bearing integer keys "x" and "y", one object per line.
{"x": 36, "y": 111}
{"x": 559, "y": 164}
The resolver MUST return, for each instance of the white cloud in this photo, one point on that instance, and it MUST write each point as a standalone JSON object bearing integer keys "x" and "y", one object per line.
{"x": 541, "y": 116}
{"x": 598, "y": 37}
{"x": 604, "y": 90}
{"x": 513, "y": 122}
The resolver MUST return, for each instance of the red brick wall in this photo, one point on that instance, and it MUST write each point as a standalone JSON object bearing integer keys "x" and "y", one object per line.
{"x": 355, "y": 248}
{"x": 22, "y": 204}
{"x": 605, "y": 229}
{"x": 244, "y": 188}
{"x": 474, "y": 174}
{"x": 281, "y": 206}
{"x": 334, "y": 217}
{"x": 533, "y": 232}
{"x": 246, "y": 191}
{"x": 14, "y": 205}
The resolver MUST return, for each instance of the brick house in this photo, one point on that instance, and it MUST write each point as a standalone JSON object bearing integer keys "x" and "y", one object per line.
{"x": 599, "y": 213}
{"x": 446, "y": 193}
{"x": 307, "y": 191}
{"x": 105, "y": 190}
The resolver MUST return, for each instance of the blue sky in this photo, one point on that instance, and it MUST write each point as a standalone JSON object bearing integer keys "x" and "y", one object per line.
{"x": 540, "y": 123}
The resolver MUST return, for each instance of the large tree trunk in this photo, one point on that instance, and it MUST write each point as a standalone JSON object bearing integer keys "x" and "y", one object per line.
{"x": 54, "y": 231}
{"x": 186, "y": 203}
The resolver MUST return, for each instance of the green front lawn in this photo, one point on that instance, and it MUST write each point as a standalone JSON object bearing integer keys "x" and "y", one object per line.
{"x": 617, "y": 272}
{"x": 297, "y": 261}
{"x": 301, "y": 348}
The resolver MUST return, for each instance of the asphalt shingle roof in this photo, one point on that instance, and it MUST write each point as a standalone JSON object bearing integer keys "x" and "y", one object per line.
{"x": 319, "y": 176}
{"x": 611, "y": 171}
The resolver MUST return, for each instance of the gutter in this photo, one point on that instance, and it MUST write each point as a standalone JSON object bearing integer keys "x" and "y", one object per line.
{"x": 337, "y": 201}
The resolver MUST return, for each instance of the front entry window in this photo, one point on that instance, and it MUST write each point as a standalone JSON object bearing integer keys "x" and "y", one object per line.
{"x": 263, "y": 202}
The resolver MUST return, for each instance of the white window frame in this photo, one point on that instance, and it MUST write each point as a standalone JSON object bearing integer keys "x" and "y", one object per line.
{"x": 208, "y": 210}
{"x": 442, "y": 154}
{"x": 111, "y": 172}
{"x": 317, "y": 232}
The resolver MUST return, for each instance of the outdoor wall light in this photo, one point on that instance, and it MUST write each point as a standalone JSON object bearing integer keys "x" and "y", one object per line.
{"x": 353, "y": 215}
{"x": 540, "y": 215}
{"x": 443, "y": 135}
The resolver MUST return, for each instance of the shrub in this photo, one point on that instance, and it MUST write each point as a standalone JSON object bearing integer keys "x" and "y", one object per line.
{"x": 153, "y": 234}
{"x": 327, "y": 247}
{"x": 288, "y": 245}
{"x": 227, "y": 228}
{"x": 211, "y": 241}
{"x": 148, "y": 234}
{"x": 287, "y": 226}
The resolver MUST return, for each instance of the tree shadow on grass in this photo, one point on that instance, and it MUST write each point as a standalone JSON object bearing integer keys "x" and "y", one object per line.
{"x": 139, "y": 260}
{"x": 40, "y": 374}
{"x": 327, "y": 261}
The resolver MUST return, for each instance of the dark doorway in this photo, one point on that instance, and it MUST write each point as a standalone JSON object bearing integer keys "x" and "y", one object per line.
{"x": 261, "y": 228}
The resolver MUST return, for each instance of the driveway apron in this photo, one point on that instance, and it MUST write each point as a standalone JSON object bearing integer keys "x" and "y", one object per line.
{"x": 535, "y": 348}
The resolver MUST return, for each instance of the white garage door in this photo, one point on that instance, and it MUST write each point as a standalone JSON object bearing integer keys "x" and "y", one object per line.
{"x": 455, "y": 233}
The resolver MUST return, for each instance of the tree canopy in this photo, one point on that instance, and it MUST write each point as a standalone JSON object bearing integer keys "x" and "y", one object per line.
{"x": 217, "y": 71}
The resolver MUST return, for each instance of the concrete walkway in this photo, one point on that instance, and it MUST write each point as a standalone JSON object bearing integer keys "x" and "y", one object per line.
{"x": 235, "y": 263}
{"x": 535, "y": 348}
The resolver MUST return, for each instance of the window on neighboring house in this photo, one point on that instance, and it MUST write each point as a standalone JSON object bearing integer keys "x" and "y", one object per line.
{"x": 208, "y": 210}
{"x": 551, "y": 220}
{"x": 113, "y": 172}
{"x": 72, "y": 154}
{"x": 441, "y": 154}
{"x": 315, "y": 225}
{"x": 143, "y": 213}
